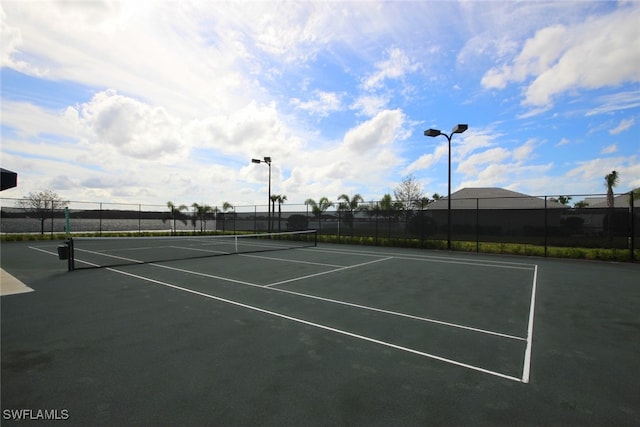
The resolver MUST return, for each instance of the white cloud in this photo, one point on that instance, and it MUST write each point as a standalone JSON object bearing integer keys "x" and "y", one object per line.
{"x": 396, "y": 66}
{"x": 610, "y": 149}
{"x": 31, "y": 120}
{"x": 594, "y": 170}
{"x": 132, "y": 127}
{"x": 624, "y": 125}
{"x": 382, "y": 129}
{"x": 370, "y": 105}
{"x": 425, "y": 161}
{"x": 322, "y": 103}
{"x": 525, "y": 151}
{"x": 561, "y": 58}
{"x": 623, "y": 100}
{"x": 475, "y": 163}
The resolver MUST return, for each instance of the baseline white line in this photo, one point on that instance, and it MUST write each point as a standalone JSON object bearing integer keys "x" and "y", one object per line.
{"x": 348, "y": 304}
{"x": 532, "y": 307}
{"x": 319, "y": 326}
{"x": 295, "y": 279}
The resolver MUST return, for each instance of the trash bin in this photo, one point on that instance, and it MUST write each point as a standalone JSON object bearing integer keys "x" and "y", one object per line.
{"x": 63, "y": 252}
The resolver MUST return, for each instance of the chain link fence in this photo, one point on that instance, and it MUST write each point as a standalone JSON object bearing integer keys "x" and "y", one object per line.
{"x": 590, "y": 222}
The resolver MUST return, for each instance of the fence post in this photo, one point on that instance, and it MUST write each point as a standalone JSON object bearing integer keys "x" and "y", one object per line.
{"x": 632, "y": 228}
{"x": 377, "y": 216}
{"x": 52, "y": 215}
{"x": 477, "y": 225}
{"x": 546, "y": 227}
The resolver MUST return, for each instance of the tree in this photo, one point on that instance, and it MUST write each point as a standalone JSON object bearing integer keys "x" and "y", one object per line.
{"x": 226, "y": 206}
{"x": 274, "y": 198}
{"x": 280, "y": 198}
{"x": 408, "y": 192}
{"x": 175, "y": 213}
{"x": 201, "y": 213}
{"x": 611, "y": 180}
{"x": 386, "y": 207}
{"x": 562, "y": 200}
{"x": 318, "y": 208}
{"x": 42, "y": 205}
{"x": 423, "y": 202}
{"x": 349, "y": 205}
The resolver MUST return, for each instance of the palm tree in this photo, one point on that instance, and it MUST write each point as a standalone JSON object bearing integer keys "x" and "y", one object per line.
{"x": 200, "y": 213}
{"x": 215, "y": 211}
{"x": 318, "y": 208}
{"x": 280, "y": 198}
{"x": 349, "y": 205}
{"x": 611, "y": 180}
{"x": 274, "y": 198}
{"x": 196, "y": 215}
{"x": 225, "y": 207}
{"x": 176, "y": 213}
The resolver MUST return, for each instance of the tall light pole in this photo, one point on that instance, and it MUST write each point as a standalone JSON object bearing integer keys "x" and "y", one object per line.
{"x": 459, "y": 128}
{"x": 267, "y": 160}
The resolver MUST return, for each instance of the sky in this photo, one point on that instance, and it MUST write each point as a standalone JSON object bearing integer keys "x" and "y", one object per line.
{"x": 154, "y": 101}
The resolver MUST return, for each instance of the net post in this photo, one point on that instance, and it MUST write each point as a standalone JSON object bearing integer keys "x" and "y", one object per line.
{"x": 235, "y": 239}
{"x": 315, "y": 238}
{"x": 71, "y": 265}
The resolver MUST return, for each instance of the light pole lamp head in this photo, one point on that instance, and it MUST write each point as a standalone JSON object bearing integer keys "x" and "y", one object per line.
{"x": 267, "y": 160}
{"x": 459, "y": 128}
{"x": 432, "y": 132}
{"x": 256, "y": 161}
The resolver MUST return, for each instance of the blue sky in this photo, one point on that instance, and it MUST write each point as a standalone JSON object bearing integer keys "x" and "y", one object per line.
{"x": 151, "y": 101}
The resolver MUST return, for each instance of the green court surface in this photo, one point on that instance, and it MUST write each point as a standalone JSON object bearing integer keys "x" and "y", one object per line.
{"x": 327, "y": 335}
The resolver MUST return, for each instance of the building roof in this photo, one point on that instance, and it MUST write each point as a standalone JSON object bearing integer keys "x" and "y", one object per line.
{"x": 494, "y": 198}
{"x": 621, "y": 201}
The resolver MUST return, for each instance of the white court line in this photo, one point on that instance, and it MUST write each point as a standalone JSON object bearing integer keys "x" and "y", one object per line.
{"x": 295, "y": 261}
{"x": 431, "y": 258}
{"x": 532, "y": 307}
{"x": 137, "y": 261}
{"x": 345, "y": 303}
{"x": 319, "y": 326}
{"x": 527, "y": 362}
{"x": 210, "y": 251}
{"x": 295, "y": 279}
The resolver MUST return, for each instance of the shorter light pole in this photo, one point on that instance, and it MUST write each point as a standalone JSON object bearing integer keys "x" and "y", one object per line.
{"x": 435, "y": 132}
{"x": 267, "y": 160}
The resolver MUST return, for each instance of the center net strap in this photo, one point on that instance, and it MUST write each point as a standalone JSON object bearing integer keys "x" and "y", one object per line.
{"x": 96, "y": 252}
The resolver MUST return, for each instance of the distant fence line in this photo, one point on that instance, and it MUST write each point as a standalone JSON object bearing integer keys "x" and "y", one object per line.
{"x": 541, "y": 221}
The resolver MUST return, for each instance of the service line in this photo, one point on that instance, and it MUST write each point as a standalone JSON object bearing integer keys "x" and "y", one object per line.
{"x": 319, "y": 326}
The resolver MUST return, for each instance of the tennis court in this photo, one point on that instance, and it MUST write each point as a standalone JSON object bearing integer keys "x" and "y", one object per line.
{"x": 321, "y": 335}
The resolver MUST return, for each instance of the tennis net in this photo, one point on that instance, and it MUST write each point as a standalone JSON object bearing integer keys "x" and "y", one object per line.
{"x": 97, "y": 252}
